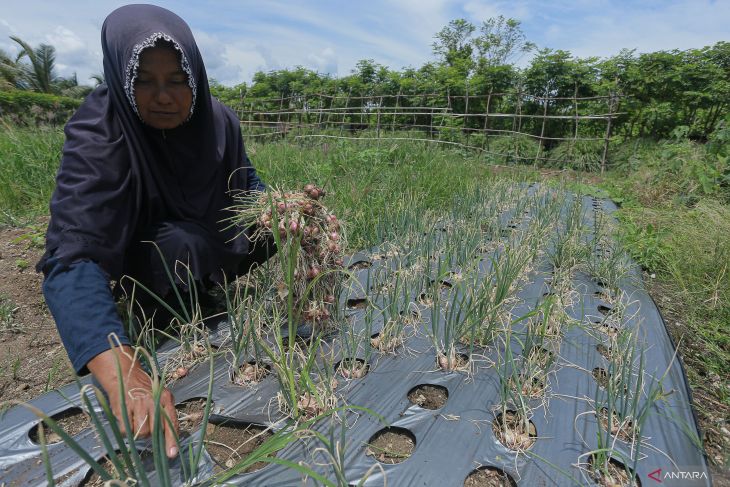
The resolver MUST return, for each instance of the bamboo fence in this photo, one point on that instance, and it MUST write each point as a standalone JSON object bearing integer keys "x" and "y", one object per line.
{"x": 473, "y": 121}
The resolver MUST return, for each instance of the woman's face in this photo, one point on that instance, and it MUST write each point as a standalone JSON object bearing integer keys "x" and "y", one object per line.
{"x": 161, "y": 89}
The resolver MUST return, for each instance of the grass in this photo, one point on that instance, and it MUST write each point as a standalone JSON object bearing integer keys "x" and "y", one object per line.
{"x": 679, "y": 234}
{"x": 30, "y": 159}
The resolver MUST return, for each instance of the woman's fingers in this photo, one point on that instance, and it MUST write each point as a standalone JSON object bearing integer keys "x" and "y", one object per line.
{"x": 118, "y": 415}
{"x": 139, "y": 399}
{"x": 169, "y": 418}
{"x": 143, "y": 408}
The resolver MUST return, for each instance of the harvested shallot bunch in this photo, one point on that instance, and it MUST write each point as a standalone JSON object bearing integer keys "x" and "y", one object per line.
{"x": 310, "y": 242}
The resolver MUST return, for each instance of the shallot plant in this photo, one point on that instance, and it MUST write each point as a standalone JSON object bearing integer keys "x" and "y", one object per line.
{"x": 513, "y": 423}
{"x": 121, "y": 450}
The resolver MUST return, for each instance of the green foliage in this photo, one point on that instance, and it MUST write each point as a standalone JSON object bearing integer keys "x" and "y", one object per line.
{"x": 39, "y": 73}
{"x": 647, "y": 245}
{"x": 694, "y": 172}
{"x": 7, "y": 313}
{"x": 515, "y": 149}
{"x": 681, "y": 168}
{"x": 582, "y": 155}
{"x": 28, "y": 107}
{"x": 29, "y": 160}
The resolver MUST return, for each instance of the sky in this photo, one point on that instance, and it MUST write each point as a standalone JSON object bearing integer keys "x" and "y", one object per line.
{"x": 240, "y": 37}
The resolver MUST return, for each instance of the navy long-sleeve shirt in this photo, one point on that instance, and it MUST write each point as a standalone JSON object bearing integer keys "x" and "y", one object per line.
{"x": 81, "y": 302}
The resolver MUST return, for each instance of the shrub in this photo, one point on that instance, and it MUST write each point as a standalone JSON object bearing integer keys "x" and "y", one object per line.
{"x": 582, "y": 155}
{"x": 515, "y": 149}
{"x": 27, "y": 107}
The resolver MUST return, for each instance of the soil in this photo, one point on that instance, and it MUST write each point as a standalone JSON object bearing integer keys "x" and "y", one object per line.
{"x": 604, "y": 351}
{"x": 391, "y": 445}
{"x": 92, "y": 479}
{"x": 601, "y": 377}
{"x": 363, "y": 264}
{"x": 489, "y": 477}
{"x": 230, "y": 443}
{"x": 357, "y": 303}
{"x": 511, "y": 432}
{"x": 429, "y": 396}
{"x": 32, "y": 357}
{"x": 190, "y": 414}
{"x": 73, "y": 421}
{"x": 250, "y": 373}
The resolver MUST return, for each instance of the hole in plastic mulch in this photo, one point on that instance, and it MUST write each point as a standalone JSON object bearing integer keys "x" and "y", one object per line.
{"x": 357, "y": 303}
{"x": 73, "y": 421}
{"x": 230, "y": 441}
{"x": 605, "y": 310}
{"x": 391, "y": 445}
{"x": 514, "y": 431}
{"x": 612, "y": 473}
{"x": 428, "y": 396}
{"x": 190, "y": 413}
{"x": 92, "y": 479}
{"x": 458, "y": 361}
{"x": 249, "y": 373}
{"x": 359, "y": 265}
{"x": 604, "y": 351}
{"x": 352, "y": 368}
{"x": 601, "y": 376}
{"x": 489, "y": 477}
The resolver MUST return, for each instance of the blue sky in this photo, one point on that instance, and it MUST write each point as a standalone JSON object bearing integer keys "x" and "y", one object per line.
{"x": 238, "y": 38}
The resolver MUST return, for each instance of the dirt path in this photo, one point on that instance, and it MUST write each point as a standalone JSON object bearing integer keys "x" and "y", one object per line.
{"x": 32, "y": 358}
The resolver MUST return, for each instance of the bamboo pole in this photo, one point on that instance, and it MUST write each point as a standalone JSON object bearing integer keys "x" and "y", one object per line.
{"x": 466, "y": 110}
{"x": 541, "y": 140}
{"x": 397, "y": 102}
{"x": 319, "y": 109}
{"x": 344, "y": 114}
{"x": 377, "y": 129}
{"x": 575, "y": 133}
{"x": 486, "y": 120}
{"x": 278, "y": 116}
{"x": 608, "y": 138}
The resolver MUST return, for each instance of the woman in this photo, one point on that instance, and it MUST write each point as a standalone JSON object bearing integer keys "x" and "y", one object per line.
{"x": 149, "y": 156}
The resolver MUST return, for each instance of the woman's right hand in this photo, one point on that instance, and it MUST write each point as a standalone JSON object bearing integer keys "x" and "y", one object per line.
{"x": 140, "y": 403}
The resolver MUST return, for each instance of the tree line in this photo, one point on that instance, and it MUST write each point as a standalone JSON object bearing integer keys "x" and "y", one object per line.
{"x": 658, "y": 94}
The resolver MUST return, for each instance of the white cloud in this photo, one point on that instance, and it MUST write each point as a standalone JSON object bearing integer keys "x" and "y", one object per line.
{"x": 65, "y": 40}
{"x": 215, "y": 56}
{"x": 239, "y": 38}
{"x": 481, "y": 11}
{"x": 323, "y": 62}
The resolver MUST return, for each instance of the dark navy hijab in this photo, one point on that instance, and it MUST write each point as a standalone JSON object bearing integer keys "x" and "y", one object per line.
{"x": 119, "y": 176}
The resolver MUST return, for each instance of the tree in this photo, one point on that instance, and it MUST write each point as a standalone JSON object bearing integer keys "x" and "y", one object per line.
{"x": 98, "y": 79}
{"x": 40, "y": 74}
{"x": 454, "y": 45}
{"x": 9, "y": 71}
{"x": 501, "y": 40}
